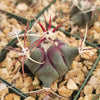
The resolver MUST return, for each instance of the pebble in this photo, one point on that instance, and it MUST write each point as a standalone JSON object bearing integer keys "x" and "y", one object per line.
{"x": 85, "y": 70}
{"x": 72, "y": 85}
{"x": 54, "y": 86}
{"x": 4, "y": 73}
{"x": 62, "y": 83}
{"x": 88, "y": 97}
{"x": 94, "y": 82}
{"x": 27, "y": 82}
{"x": 96, "y": 73}
{"x": 6, "y": 30}
{"x": 2, "y": 86}
{"x": 18, "y": 80}
{"x": 88, "y": 89}
{"x": 76, "y": 74}
{"x": 2, "y": 93}
{"x": 12, "y": 96}
{"x": 64, "y": 91}
{"x": 76, "y": 65}
{"x": 98, "y": 90}
{"x": 35, "y": 82}
{"x": 87, "y": 63}
{"x": 29, "y": 98}
{"x": 22, "y": 7}
{"x": 81, "y": 98}
{"x": 25, "y": 89}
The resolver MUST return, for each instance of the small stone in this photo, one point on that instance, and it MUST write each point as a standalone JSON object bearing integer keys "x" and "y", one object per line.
{"x": 94, "y": 82}
{"x": 85, "y": 70}
{"x": 6, "y": 30}
{"x": 17, "y": 67}
{"x": 3, "y": 42}
{"x": 3, "y": 92}
{"x": 9, "y": 80}
{"x": 72, "y": 85}
{"x": 81, "y": 98}
{"x": 89, "y": 67}
{"x": 88, "y": 54}
{"x": 5, "y": 63}
{"x": 25, "y": 89}
{"x": 82, "y": 93}
{"x": 36, "y": 81}
{"x": 2, "y": 86}
{"x": 47, "y": 97}
{"x": 98, "y": 90}
{"x": 42, "y": 95}
{"x": 37, "y": 87}
{"x": 62, "y": 83}
{"x": 54, "y": 86}
{"x": 22, "y": 7}
{"x": 88, "y": 97}
{"x": 96, "y": 73}
{"x": 19, "y": 80}
{"x": 4, "y": 73}
{"x": 88, "y": 89}
{"x": 2, "y": 35}
{"x": 76, "y": 74}
{"x": 27, "y": 82}
{"x": 78, "y": 58}
{"x": 87, "y": 63}
{"x": 29, "y": 98}
{"x": 84, "y": 56}
{"x": 76, "y": 64}
{"x": 64, "y": 91}
{"x": 12, "y": 96}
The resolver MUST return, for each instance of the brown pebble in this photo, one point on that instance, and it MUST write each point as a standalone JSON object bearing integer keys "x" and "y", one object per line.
{"x": 4, "y": 73}
{"x": 22, "y": 7}
{"x": 12, "y": 96}
{"x": 88, "y": 89}
{"x": 27, "y": 81}
{"x": 94, "y": 82}
{"x": 29, "y": 98}
{"x": 72, "y": 85}
{"x": 64, "y": 91}
{"x": 98, "y": 90}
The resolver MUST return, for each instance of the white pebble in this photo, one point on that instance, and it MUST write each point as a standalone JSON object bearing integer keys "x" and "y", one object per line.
{"x": 22, "y": 6}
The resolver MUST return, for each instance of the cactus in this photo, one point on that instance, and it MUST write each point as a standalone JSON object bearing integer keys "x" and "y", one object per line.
{"x": 57, "y": 56}
{"x": 83, "y": 12}
{"x": 55, "y": 64}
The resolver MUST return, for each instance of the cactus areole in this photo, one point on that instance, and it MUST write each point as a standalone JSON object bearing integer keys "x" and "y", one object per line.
{"x": 56, "y": 55}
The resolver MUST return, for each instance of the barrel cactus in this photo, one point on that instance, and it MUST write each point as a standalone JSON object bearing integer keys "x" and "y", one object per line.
{"x": 56, "y": 63}
{"x": 83, "y": 12}
{"x": 56, "y": 55}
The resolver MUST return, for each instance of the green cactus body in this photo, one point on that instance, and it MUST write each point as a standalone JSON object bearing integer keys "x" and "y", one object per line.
{"x": 55, "y": 64}
{"x": 82, "y": 13}
{"x": 56, "y": 55}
